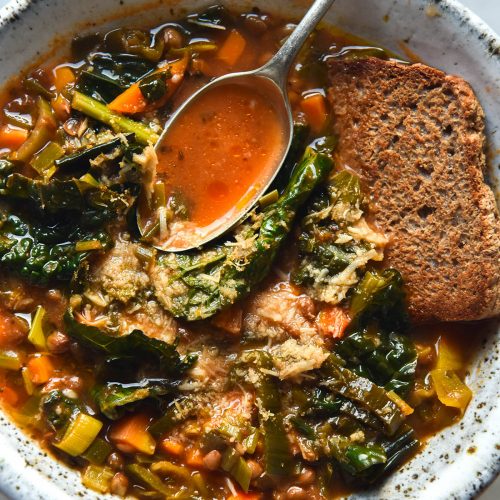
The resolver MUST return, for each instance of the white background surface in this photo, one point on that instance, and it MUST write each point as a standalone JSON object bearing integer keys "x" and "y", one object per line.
{"x": 489, "y": 11}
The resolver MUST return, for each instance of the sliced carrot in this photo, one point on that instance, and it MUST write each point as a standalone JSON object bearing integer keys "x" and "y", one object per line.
{"x": 171, "y": 447}
{"x": 63, "y": 76}
{"x": 131, "y": 435}
{"x": 314, "y": 107}
{"x": 194, "y": 457}
{"x": 232, "y": 48}
{"x": 332, "y": 322}
{"x": 132, "y": 101}
{"x": 12, "y": 137}
{"x": 61, "y": 107}
{"x": 9, "y": 396}
{"x": 40, "y": 369}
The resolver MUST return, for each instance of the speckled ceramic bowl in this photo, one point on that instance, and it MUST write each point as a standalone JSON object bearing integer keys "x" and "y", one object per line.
{"x": 458, "y": 462}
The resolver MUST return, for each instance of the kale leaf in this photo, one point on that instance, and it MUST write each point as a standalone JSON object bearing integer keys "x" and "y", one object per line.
{"x": 133, "y": 367}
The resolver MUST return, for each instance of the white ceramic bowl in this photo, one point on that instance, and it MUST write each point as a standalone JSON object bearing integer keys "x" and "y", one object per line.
{"x": 458, "y": 462}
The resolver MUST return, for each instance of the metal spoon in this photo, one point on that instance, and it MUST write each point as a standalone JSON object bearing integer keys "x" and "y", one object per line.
{"x": 271, "y": 81}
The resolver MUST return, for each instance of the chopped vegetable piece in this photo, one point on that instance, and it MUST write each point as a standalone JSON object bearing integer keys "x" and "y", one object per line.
{"x": 194, "y": 457}
{"x": 171, "y": 447}
{"x": 168, "y": 469}
{"x": 10, "y": 397}
{"x": 146, "y": 94}
{"x": 45, "y": 127}
{"x": 45, "y": 159}
{"x": 450, "y": 390}
{"x": 449, "y": 356}
{"x": 28, "y": 384}
{"x": 232, "y": 48}
{"x": 12, "y": 138}
{"x": 131, "y": 434}
{"x": 314, "y": 107}
{"x": 10, "y": 360}
{"x": 80, "y": 434}
{"x": 85, "y": 246}
{"x": 251, "y": 441}
{"x": 36, "y": 334}
{"x": 100, "y": 112}
{"x": 146, "y": 477}
{"x": 63, "y": 77}
{"x": 40, "y": 369}
{"x": 98, "y": 452}
{"x": 98, "y": 478}
{"x": 333, "y": 321}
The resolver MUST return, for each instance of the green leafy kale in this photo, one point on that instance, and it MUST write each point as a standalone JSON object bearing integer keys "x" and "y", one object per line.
{"x": 197, "y": 284}
{"x": 134, "y": 367}
{"x": 375, "y": 345}
{"x": 42, "y": 253}
{"x": 57, "y": 409}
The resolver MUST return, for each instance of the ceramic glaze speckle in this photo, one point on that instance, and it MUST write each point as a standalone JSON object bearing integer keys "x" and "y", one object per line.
{"x": 459, "y": 461}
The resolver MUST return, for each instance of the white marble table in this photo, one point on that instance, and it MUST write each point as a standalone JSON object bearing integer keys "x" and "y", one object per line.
{"x": 489, "y": 10}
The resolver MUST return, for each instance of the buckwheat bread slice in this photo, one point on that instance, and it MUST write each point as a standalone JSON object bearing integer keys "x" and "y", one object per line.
{"x": 416, "y": 137}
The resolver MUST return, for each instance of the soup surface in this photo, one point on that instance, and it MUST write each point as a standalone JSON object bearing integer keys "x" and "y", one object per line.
{"x": 277, "y": 362}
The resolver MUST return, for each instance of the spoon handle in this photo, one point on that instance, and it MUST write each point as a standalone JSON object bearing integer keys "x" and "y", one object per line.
{"x": 278, "y": 67}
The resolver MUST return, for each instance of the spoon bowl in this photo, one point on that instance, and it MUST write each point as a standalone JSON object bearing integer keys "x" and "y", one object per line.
{"x": 270, "y": 82}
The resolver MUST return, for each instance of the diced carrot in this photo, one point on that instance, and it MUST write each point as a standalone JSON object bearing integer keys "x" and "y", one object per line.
{"x": 9, "y": 396}
{"x": 232, "y": 49}
{"x": 171, "y": 447}
{"x": 61, "y": 107}
{"x": 63, "y": 76}
{"x": 132, "y": 101}
{"x": 241, "y": 495}
{"x": 332, "y": 322}
{"x": 40, "y": 369}
{"x": 131, "y": 435}
{"x": 229, "y": 320}
{"x": 194, "y": 457}
{"x": 12, "y": 137}
{"x": 314, "y": 107}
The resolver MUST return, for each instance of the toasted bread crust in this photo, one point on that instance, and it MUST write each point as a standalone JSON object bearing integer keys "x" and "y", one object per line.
{"x": 416, "y": 136}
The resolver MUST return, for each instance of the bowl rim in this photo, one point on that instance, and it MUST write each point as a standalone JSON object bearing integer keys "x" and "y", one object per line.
{"x": 490, "y": 41}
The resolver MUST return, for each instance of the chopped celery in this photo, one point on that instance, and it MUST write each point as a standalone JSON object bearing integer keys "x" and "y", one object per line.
{"x": 44, "y": 160}
{"x": 85, "y": 246}
{"x": 28, "y": 384}
{"x": 169, "y": 469}
{"x": 79, "y": 435}
{"x": 450, "y": 390}
{"x": 160, "y": 195}
{"x": 10, "y": 360}
{"x": 88, "y": 181}
{"x": 117, "y": 122}
{"x": 230, "y": 430}
{"x": 146, "y": 477}
{"x": 36, "y": 335}
{"x": 269, "y": 198}
{"x": 45, "y": 127}
{"x": 229, "y": 459}
{"x": 251, "y": 441}
{"x": 98, "y": 478}
{"x": 98, "y": 452}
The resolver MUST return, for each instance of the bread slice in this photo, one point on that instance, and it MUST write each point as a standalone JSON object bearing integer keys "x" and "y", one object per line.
{"x": 416, "y": 136}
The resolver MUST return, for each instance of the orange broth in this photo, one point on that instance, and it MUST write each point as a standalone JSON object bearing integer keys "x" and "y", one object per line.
{"x": 219, "y": 153}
